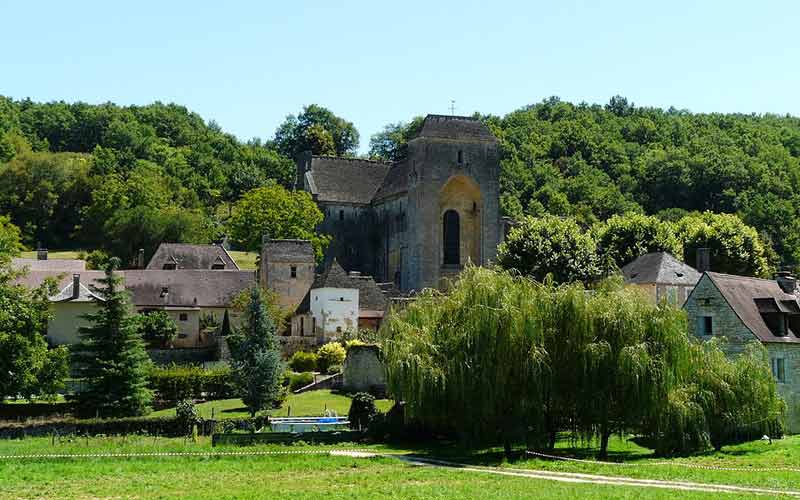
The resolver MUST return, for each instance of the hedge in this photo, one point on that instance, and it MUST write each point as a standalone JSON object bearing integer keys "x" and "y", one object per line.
{"x": 174, "y": 383}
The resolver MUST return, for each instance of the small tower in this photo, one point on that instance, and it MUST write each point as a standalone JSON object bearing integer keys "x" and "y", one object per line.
{"x": 287, "y": 268}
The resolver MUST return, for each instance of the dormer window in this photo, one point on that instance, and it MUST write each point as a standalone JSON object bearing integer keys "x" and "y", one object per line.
{"x": 164, "y": 291}
{"x": 217, "y": 266}
{"x": 170, "y": 266}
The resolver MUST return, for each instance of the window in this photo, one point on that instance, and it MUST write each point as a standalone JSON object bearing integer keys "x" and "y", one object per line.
{"x": 779, "y": 369}
{"x": 164, "y": 291}
{"x": 293, "y": 271}
{"x": 460, "y": 157}
{"x": 313, "y": 325}
{"x": 451, "y": 239}
{"x": 672, "y": 295}
{"x": 170, "y": 266}
{"x": 217, "y": 266}
{"x": 183, "y": 317}
{"x": 302, "y": 326}
{"x": 705, "y": 325}
{"x": 338, "y": 329}
{"x": 341, "y": 214}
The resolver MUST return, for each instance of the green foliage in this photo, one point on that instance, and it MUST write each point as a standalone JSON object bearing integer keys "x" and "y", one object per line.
{"x": 334, "y": 369}
{"x": 362, "y": 411}
{"x": 279, "y": 213}
{"x": 623, "y": 238}
{"x": 300, "y": 380}
{"x": 391, "y": 143}
{"x": 257, "y": 363}
{"x": 302, "y": 361}
{"x": 111, "y": 357}
{"x": 97, "y": 260}
{"x": 504, "y": 359}
{"x": 318, "y": 130}
{"x": 735, "y": 247}
{"x": 10, "y": 244}
{"x": 538, "y": 247}
{"x": 157, "y": 328}
{"x": 176, "y": 382}
{"x": 186, "y": 414}
{"x": 29, "y": 368}
{"x": 330, "y": 354}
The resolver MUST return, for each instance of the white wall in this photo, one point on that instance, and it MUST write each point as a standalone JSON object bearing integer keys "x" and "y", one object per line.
{"x": 334, "y": 308}
{"x": 62, "y": 328}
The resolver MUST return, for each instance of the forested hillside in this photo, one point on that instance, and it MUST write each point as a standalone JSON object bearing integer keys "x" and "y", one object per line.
{"x": 122, "y": 178}
{"x": 591, "y": 162}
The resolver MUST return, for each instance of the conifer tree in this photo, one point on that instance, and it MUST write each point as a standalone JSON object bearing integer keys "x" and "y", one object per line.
{"x": 111, "y": 357}
{"x": 257, "y": 364}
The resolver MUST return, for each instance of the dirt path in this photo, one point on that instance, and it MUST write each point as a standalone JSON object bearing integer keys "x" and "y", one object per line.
{"x": 574, "y": 477}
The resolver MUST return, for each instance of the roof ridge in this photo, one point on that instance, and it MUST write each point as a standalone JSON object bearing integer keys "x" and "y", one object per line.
{"x": 452, "y": 117}
{"x": 355, "y": 158}
{"x": 739, "y": 276}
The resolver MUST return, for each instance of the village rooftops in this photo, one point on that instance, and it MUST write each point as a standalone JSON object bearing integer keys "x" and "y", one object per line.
{"x": 370, "y": 295}
{"x": 66, "y": 265}
{"x": 661, "y": 268}
{"x": 156, "y": 288}
{"x": 173, "y": 256}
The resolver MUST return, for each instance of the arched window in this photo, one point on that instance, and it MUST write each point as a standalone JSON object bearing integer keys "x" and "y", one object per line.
{"x": 450, "y": 238}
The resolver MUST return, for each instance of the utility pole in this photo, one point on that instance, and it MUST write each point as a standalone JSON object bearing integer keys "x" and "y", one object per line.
{"x": 452, "y": 107}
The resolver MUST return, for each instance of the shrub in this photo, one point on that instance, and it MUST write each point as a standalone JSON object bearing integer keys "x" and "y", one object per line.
{"x": 353, "y": 343}
{"x": 331, "y": 353}
{"x": 174, "y": 383}
{"x": 299, "y": 380}
{"x": 362, "y": 411}
{"x": 186, "y": 414}
{"x": 302, "y": 361}
{"x": 157, "y": 328}
{"x": 334, "y": 369}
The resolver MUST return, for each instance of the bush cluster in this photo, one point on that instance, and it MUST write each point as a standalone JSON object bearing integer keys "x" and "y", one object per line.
{"x": 303, "y": 361}
{"x": 299, "y": 380}
{"x": 330, "y": 354}
{"x": 176, "y": 382}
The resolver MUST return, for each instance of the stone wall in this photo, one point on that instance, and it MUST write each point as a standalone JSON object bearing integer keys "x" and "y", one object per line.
{"x": 706, "y": 300}
{"x": 364, "y": 370}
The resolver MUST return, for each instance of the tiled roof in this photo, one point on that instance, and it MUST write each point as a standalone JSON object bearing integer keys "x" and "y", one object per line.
{"x": 742, "y": 293}
{"x": 456, "y": 128}
{"x": 202, "y": 288}
{"x": 66, "y": 265}
{"x": 186, "y": 256}
{"x": 661, "y": 268}
{"x": 346, "y": 180}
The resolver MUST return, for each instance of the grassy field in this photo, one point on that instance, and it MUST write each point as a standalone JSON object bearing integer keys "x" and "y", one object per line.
{"x": 54, "y": 254}
{"x": 245, "y": 260}
{"x": 306, "y": 404}
{"x": 271, "y": 476}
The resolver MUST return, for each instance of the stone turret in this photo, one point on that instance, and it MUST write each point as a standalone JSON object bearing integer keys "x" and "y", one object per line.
{"x": 287, "y": 268}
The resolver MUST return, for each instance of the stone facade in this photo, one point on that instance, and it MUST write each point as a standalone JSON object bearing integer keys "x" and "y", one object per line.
{"x": 364, "y": 370}
{"x": 388, "y": 219}
{"x": 287, "y": 268}
{"x": 707, "y": 300}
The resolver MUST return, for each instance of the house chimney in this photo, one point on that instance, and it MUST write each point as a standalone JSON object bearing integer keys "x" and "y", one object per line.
{"x": 786, "y": 281}
{"x": 703, "y": 263}
{"x": 140, "y": 259}
{"x": 41, "y": 253}
{"x": 76, "y": 286}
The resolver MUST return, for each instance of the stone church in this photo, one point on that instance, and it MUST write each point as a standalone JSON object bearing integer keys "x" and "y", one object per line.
{"x": 419, "y": 221}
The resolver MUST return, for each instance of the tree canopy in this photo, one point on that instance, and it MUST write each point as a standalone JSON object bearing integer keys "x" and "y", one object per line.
{"x": 318, "y": 130}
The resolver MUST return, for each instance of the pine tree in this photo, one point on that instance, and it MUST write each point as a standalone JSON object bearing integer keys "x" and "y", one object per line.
{"x": 257, "y": 363}
{"x": 111, "y": 357}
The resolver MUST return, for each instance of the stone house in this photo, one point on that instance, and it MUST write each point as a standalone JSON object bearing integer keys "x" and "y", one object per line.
{"x": 662, "y": 277}
{"x": 287, "y": 268}
{"x": 185, "y": 295}
{"x": 742, "y": 309}
{"x": 418, "y": 221}
{"x": 337, "y": 302}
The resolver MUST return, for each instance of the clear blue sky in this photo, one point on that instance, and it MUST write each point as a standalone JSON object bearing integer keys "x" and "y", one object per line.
{"x": 249, "y": 64}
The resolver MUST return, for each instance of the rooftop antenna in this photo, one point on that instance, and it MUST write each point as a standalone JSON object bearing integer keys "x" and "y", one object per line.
{"x": 452, "y": 107}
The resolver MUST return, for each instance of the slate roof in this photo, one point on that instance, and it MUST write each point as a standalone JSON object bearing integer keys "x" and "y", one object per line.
{"x": 370, "y": 296}
{"x": 186, "y": 256}
{"x": 743, "y": 294}
{"x": 661, "y": 268}
{"x": 66, "y": 265}
{"x": 395, "y": 182}
{"x": 345, "y": 180}
{"x": 84, "y": 294}
{"x": 456, "y": 128}
{"x": 187, "y": 288}
{"x": 289, "y": 250}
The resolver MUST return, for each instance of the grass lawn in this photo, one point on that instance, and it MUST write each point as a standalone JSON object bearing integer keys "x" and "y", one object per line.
{"x": 55, "y": 254}
{"x": 272, "y": 476}
{"x": 245, "y": 260}
{"x": 306, "y": 404}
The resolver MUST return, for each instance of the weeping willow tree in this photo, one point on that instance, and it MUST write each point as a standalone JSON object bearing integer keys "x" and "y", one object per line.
{"x": 502, "y": 359}
{"x": 470, "y": 360}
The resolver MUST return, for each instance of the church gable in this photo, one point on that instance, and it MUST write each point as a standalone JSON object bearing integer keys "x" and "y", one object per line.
{"x": 332, "y": 179}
